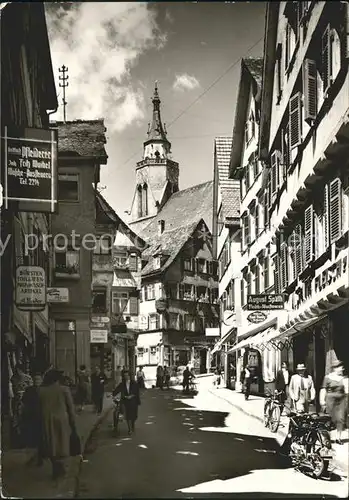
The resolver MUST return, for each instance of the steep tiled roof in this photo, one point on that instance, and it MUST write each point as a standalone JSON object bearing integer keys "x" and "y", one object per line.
{"x": 82, "y": 137}
{"x": 255, "y": 67}
{"x": 183, "y": 208}
{"x": 182, "y": 213}
{"x": 229, "y": 188}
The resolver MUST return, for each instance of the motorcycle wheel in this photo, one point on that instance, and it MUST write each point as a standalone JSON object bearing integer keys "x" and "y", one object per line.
{"x": 275, "y": 418}
{"x": 266, "y": 414}
{"x": 320, "y": 465}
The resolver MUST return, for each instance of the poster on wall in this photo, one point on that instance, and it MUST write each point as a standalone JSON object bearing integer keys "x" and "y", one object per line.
{"x": 29, "y": 157}
{"x": 98, "y": 336}
{"x": 30, "y": 288}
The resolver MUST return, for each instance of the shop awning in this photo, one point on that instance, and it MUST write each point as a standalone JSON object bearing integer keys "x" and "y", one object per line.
{"x": 258, "y": 340}
{"x": 223, "y": 340}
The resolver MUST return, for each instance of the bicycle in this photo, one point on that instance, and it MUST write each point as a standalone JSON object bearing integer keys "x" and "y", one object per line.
{"x": 272, "y": 411}
{"x": 116, "y": 412}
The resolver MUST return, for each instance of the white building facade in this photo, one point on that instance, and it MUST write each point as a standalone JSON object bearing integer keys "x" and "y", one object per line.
{"x": 304, "y": 144}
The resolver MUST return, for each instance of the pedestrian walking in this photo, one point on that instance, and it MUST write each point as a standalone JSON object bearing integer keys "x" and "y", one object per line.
{"x": 247, "y": 378}
{"x": 98, "y": 381}
{"x": 167, "y": 377}
{"x": 58, "y": 422}
{"x": 20, "y": 382}
{"x": 218, "y": 376}
{"x": 282, "y": 384}
{"x": 130, "y": 399}
{"x": 140, "y": 378}
{"x": 82, "y": 390}
{"x": 187, "y": 376}
{"x": 334, "y": 398}
{"x": 118, "y": 375}
{"x": 32, "y": 420}
{"x": 302, "y": 390}
{"x": 160, "y": 377}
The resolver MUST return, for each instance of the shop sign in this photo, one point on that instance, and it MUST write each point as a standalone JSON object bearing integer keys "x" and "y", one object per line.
{"x": 30, "y": 177}
{"x": 265, "y": 302}
{"x": 257, "y": 317}
{"x": 100, "y": 319}
{"x": 30, "y": 288}
{"x": 331, "y": 274}
{"x": 99, "y": 336}
{"x": 199, "y": 341}
{"x": 97, "y": 325}
{"x": 57, "y": 295}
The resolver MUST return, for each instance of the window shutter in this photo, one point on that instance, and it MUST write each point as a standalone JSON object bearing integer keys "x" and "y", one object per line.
{"x": 295, "y": 120}
{"x": 308, "y": 235}
{"x": 326, "y": 58}
{"x": 298, "y": 249}
{"x": 335, "y": 210}
{"x": 310, "y": 89}
{"x": 274, "y": 163}
{"x": 133, "y": 302}
{"x": 283, "y": 267}
{"x": 325, "y": 219}
{"x": 277, "y": 274}
{"x": 133, "y": 263}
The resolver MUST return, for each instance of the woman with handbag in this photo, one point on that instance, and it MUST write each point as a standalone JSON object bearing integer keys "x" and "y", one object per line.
{"x": 59, "y": 435}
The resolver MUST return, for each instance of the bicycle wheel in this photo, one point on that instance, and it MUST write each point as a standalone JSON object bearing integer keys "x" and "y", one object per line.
{"x": 266, "y": 413}
{"x": 275, "y": 418}
{"x": 115, "y": 421}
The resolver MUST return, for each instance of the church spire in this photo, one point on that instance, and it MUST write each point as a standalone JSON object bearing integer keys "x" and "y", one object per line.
{"x": 156, "y": 130}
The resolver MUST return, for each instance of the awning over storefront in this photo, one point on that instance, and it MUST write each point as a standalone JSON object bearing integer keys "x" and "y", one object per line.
{"x": 258, "y": 340}
{"x": 223, "y": 340}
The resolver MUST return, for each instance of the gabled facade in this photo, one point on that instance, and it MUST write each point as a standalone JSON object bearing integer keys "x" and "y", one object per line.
{"x": 81, "y": 152}
{"x": 226, "y": 228}
{"x": 157, "y": 175}
{"x": 257, "y": 248}
{"x": 304, "y": 142}
{"x": 179, "y": 298}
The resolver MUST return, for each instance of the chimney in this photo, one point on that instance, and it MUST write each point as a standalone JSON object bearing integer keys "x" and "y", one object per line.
{"x": 161, "y": 226}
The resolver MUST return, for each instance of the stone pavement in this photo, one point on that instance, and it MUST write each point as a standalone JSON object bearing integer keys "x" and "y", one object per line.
{"x": 20, "y": 480}
{"x": 254, "y": 407}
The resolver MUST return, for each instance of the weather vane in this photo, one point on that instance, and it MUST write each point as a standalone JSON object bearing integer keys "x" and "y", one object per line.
{"x": 64, "y": 84}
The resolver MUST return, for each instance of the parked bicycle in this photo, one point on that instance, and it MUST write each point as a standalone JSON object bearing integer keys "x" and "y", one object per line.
{"x": 272, "y": 411}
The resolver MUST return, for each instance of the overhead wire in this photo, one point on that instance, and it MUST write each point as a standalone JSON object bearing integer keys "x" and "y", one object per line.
{"x": 217, "y": 80}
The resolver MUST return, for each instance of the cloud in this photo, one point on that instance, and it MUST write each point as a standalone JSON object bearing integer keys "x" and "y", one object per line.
{"x": 100, "y": 43}
{"x": 168, "y": 17}
{"x": 185, "y": 82}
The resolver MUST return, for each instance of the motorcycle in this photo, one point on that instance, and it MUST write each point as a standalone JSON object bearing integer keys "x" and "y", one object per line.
{"x": 308, "y": 442}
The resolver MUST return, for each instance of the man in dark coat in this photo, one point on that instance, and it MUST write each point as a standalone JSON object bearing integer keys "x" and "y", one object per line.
{"x": 187, "y": 376}
{"x": 130, "y": 399}
{"x": 282, "y": 383}
{"x": 98, "y": 381}
{"x": 32, "y": 419}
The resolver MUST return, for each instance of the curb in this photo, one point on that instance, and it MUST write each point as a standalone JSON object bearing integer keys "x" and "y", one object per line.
{"x": 73, "y": 480}
{"x": 338, "y": 466}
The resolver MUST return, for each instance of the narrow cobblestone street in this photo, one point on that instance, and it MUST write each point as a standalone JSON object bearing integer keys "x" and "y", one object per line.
{"x": 192, "y": 447}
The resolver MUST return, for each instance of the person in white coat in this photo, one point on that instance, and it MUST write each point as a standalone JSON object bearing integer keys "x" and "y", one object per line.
{"x": 302, "y": 389}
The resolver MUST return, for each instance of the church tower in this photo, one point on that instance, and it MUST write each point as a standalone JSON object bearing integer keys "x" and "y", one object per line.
{"x": 156, "y": 174}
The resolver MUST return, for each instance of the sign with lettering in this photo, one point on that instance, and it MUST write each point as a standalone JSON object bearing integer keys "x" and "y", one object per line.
{"x": 257, "y": 317}
{"x": 100, "y": 319}
{"x": 99, "y": 336}
{"x": 57, "y": 295}
{"x": 265, "y": 302}
{"x": 30, "y": 176}
{"x": 30, "y": 288}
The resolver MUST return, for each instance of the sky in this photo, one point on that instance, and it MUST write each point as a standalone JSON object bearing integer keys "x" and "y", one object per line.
{"x": 115, "y": 51}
